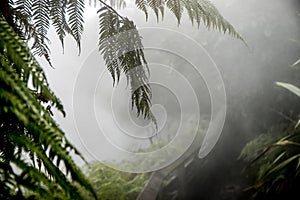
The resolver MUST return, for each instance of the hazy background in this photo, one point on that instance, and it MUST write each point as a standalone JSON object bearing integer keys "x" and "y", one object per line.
{"x": 271, "y": 30}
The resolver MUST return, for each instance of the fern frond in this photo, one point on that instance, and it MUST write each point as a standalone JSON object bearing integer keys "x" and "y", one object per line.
{"x": 24, "y": 6}
{"x": 157, "y": 6}
{"x": 42, "y": 133}
{"x": 118, "y": 4}
{"x": 175, "y": 6}
{"x": 34, "y": 180}
{"x": 198, "y": 11}
{"x": 75, "y": 9}
{"x": 57, "y": 175}
{"x": 109, "y": 24}
{"x": 41, "y": 126}
{"x": 18, "y": 53}
{"x": 142, "y": 5}
{"x": 122, "y": 50}
{"x": 41, "y": 23}
{"x": 58, "y": 17}
{"x": 22, "y": 20}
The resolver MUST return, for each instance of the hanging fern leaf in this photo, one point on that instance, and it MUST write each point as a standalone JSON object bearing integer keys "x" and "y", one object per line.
{"x": 112, "y": 24}
{"x": 41, "y": 18}
{"x": 75, "y": 12}
{"x": 142, "y": 5}
{"x": 156, "y": 6}
{"x": 122, "y": 50}
{"x": 24, "y": 6}
{"x": 41, "y": 23}
{"x": 58, "y": 17}
{"x": 176, "y": 8}
{"x": 197, "y": 10}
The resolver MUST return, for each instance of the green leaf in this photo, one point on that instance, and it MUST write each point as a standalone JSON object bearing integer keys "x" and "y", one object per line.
{"x": 27, "y": 125}
{"x": 297, "y": 124}
{"x": 296, "y": 63}
{"x": 289, "y": 87}
{"x": 122, "y": 50}
{"x": 197, "y": 10}
{"x": 75, "y": 9}
{"x": 283, "y": 164}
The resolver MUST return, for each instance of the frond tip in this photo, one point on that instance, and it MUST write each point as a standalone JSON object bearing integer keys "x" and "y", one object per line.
{"x": 75, "y": 9}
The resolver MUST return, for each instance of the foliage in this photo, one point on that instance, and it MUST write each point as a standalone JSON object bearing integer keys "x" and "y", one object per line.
{"x": 289, "y": 87}
{"x": 197, "y": 10}
{"x": 136, "y": 65}
{"x": 256, "y": 146}
{"x": 34, "y": 152}
{"x": 121, "y": 46}
{"x": 294, "y": 89}
{"x": 112, "y": 184}
{"x": 276, "y": 169}
{"x": 27, "y": 129}
{"x": 166, "y": 148}
{"x": 32, "y": 20}
{"x": 275, "y": 163}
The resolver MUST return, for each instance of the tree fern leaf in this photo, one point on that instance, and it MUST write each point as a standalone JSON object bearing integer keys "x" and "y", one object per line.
{"x": 41, "y": 23}
{"x": 25, "y": 6}
{"x": 153, "y": 4}
{"x": 35, "y": 180}
{"x": 198, "y": 10}
{"x": 23, "y": 17}
{"x": 58, "y": 176}
{"x": 18, "y": 53}
{"x": 118, "y": 4}
{"x": 142, "y": 5}
{"x": 58, "y": 17}
{"x": 176, "y": 8}
{"x": 122, "y": 50}
{"x": 33, "y": 117}
{"x": 75, "y": 11}
{"x": 190, "y": 11}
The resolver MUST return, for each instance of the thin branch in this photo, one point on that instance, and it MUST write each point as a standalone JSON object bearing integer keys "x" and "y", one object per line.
{"x": 112, "y": 9}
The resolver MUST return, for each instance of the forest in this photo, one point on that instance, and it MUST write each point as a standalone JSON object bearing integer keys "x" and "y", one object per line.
{"x": 150, "y": 99}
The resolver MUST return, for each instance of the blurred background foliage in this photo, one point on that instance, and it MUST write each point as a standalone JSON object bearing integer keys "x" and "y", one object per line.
{"x": 112, "y": 184}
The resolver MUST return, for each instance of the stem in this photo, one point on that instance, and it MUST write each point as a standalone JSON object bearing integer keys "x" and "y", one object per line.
{"x": 112, "y": 9}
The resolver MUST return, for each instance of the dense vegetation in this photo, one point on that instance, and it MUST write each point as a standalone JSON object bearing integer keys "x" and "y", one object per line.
{"x": 35, "y": 155}
{"x": 274, "y": 160}
{"x": 261, "y": 114}
{"x": 33, "y": 147}
{"x": 36, "y": 158}
{"x": 112, "y": 184}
